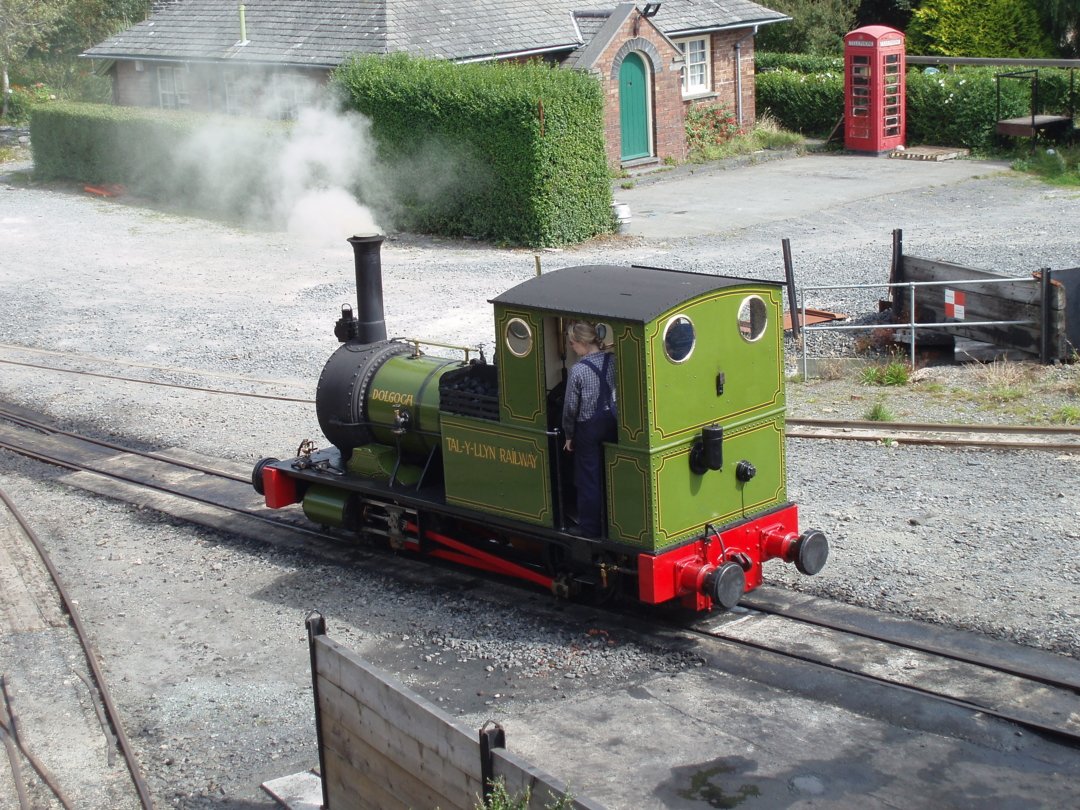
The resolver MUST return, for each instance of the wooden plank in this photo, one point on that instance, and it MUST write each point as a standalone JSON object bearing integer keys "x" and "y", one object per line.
{"x": 1008, "y": 301}
{"x": 345, "y": 722}
{"x": 1029, "y": 126}
{"x": 915, "y": 269}
{"x": 518, "y": 776}
{"x": 383, "y": 775}
{"x": 349, "y": 787}
{"x": 415, "y": 716}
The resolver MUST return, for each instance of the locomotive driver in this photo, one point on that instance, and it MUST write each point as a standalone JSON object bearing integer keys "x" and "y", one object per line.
{"x": 589, "y": 419}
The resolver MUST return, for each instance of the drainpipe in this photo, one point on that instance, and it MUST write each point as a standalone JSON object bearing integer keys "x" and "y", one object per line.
{"x": 738, "y": 74}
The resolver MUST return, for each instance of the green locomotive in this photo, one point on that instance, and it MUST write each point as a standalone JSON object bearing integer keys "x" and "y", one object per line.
{"x": 462, "y": 460}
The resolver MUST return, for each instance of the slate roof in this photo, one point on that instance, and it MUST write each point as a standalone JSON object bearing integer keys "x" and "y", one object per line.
{"x": 322, "y": 33}
{"x": 636, "y": 294}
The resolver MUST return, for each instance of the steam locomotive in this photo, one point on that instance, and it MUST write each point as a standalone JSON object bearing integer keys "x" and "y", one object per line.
{"x": 460, "y": 459}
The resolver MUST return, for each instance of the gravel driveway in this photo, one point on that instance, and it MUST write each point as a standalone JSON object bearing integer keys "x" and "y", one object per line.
{"x": 203, "y": 633}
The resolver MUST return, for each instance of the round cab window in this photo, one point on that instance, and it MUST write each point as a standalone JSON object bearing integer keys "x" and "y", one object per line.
{"x": 679, "y": 339}
{"x": 519, "y": 337}
{"x": 753, "y": 318}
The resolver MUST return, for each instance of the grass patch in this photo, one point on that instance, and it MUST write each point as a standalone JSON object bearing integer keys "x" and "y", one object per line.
{"x": 894, "y": 373}
{"x": 879, "y": 413}
{"x": 1057, "y": 165}
{"x": 501, "y": 799}
{"x": 1066, "y": 415}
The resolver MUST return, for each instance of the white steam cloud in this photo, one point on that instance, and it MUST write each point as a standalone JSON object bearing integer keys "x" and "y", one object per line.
{"x": 305, "y": 180}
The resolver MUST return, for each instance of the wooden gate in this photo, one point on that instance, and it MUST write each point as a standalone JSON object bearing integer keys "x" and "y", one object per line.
{"x": 383, "y": 747}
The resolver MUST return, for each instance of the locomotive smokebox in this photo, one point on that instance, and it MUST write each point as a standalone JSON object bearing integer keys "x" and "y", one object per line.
{"x": 370, "y": 327}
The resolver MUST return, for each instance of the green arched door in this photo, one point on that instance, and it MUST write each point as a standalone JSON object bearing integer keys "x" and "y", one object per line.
{"x": 633, "y": 108}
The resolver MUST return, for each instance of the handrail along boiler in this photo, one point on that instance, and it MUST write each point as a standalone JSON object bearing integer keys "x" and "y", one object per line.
{"x": 462, "y": 460}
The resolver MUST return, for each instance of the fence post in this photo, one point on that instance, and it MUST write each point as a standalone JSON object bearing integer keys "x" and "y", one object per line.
{"x": 1044, "y": 302}
{"x": 911, "y": 302}
{"x": 316, "y": 626}
{"x": 789, "y": 273}
{"x": 491, "y": 736}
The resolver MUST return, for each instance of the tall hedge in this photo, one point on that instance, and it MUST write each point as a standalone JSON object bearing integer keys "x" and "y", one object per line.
{"x": 955, "y": 108}
{"x": 160, "y": 154}
{"x": 505, "y": 152}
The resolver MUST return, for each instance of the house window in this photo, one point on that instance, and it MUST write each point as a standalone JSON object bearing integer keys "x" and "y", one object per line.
{"x": 236, "y": 101}
{"x": 285, "y": 96}
{"x": 695, "y": 74}
{"x": 172, "y": 87}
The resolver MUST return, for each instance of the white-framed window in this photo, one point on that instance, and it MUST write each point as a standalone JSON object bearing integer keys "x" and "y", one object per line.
{"x": 697, "y": 68}
{"x": 172, "y": 88}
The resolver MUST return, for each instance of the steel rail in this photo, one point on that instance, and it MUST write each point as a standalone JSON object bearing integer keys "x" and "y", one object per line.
{"x": 49, "y": 429}
{"x": 118, "y": 378}
{"x": 95, "y": 667}
{"x": 942, "y": 427}
{"x": 914, "y": 438}
{"x": 1067, "y": 737}
{"x": 932, "y": 649}
{"x": 7, "y": 732}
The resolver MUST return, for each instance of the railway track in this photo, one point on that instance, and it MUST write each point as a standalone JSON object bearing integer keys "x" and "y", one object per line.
{"x": 1053, "y": 438}
{"x": 108, "y": 715}
{"x": 905, "y": 664}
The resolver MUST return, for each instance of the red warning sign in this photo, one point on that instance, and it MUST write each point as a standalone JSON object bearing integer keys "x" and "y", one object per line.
{"x": 954, "y": 304}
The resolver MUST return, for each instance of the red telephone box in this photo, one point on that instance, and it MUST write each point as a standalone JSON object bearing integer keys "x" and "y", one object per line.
{"x": 874, "y": 89}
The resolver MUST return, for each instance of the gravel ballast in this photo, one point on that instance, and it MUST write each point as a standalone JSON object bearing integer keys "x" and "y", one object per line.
{"x": 203, "y": 633}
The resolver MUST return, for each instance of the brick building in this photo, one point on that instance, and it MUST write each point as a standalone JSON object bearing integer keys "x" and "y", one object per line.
{"x": 262, "y": 56}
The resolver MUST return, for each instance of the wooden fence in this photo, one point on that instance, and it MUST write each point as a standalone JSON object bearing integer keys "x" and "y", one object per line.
{"x": 1022, "y": 314}
{"x": 383, "y": 747}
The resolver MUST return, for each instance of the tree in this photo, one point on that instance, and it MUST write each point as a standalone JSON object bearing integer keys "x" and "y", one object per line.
{"x": 893, "y": 13}
{"x": 987, "y": 28}
{"x": 24, "y": 24}
{"x": 88, "y": 22}
{"x": 816, "y": 27}
{"x": 1062, "y": 20}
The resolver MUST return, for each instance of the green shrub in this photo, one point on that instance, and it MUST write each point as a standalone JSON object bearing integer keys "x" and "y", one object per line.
{"x": 954, "y": 108}
{"x": 810, "y": 103}
{"x": 799, "y": 62}
{"x": 960, "y": 108}
{"x": 23, "y": 99}
{"x": 505, "y": 152}
{"x": 709, "y": 125}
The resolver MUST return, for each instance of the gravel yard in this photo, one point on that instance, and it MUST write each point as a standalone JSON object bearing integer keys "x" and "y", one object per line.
{"x": 202, "y": 633}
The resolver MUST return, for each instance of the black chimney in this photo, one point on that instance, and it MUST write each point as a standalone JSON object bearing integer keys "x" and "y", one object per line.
{"x": 371, "y": 327}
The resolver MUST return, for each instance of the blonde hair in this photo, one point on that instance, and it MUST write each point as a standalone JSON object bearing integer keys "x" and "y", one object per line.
{"x": 587, "y": 334}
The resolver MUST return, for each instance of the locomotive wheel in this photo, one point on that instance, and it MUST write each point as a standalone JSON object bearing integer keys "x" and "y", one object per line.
{"x": 257, "y": 474}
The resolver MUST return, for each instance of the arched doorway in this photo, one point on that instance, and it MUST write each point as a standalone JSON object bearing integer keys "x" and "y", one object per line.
{"x": 634, "y": 108}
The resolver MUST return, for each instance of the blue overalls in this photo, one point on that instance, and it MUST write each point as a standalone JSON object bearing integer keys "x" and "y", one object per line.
{"x": 589, "y": 438}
